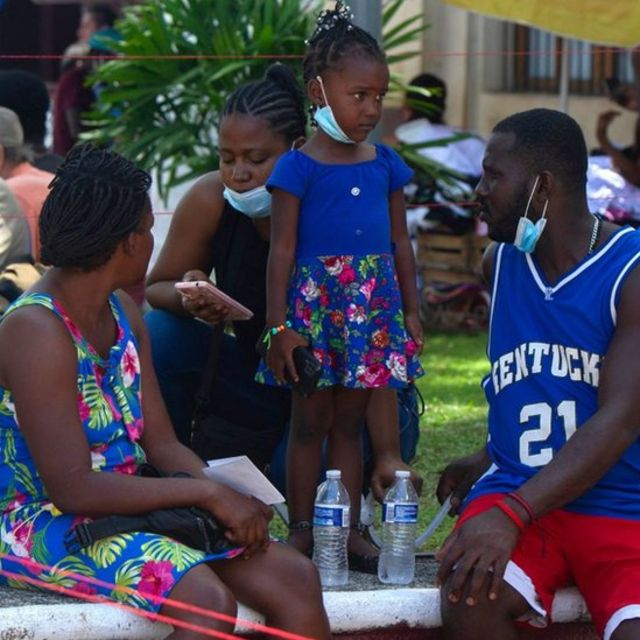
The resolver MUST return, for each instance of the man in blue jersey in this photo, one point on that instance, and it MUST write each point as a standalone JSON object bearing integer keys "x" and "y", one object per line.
{"x": 556, "y": 499}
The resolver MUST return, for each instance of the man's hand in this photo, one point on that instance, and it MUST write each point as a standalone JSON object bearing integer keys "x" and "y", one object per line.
{"x": 383, "y": 476}
{"x": 602, "y": 126}
{"x": 459, "y": 476}
{"x": 475, "y": 555}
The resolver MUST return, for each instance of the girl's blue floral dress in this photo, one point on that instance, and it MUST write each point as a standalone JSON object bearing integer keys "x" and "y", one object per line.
{"x": 32, "y": 528}
{"x": 344, "y": 295}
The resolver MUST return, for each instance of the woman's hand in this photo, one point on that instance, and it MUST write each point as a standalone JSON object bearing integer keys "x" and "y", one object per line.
{"x": 414, "y": 329}
{"x": 201, "y": 305}
{"x": 279, "y": 357}
{"x": 246, "y": 519}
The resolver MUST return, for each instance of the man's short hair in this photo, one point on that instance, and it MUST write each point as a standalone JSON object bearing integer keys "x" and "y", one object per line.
{"x": 546, "y": 139}
{"x": 27, "y": 95}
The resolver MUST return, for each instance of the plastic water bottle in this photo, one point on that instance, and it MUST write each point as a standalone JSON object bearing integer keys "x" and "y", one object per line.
{"x": 331, "y": 518}
{"x": 397, "y": 564}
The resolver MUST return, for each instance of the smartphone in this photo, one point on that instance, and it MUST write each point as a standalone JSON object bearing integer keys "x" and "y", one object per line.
{"x": 191, "y": 288}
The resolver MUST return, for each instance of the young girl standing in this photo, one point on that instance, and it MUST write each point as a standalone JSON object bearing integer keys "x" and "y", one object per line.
{"x": 340, "y": 274}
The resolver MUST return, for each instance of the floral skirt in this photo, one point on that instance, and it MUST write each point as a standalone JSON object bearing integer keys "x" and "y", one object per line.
{"x": 350, "y": 310}
{"x": 136, "y": 569}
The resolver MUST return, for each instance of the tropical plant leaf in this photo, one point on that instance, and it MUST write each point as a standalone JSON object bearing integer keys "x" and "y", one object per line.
{"x": 162, "y": 548}
{"x": 100, "y": 414}
{"x": 107, "y": 550}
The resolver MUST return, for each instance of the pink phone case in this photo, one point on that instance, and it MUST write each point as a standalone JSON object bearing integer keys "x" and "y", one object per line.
{"x": 237, "y": 311}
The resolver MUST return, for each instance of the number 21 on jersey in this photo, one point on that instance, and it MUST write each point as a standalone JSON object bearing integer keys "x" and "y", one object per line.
{"x": 542, "y": 414}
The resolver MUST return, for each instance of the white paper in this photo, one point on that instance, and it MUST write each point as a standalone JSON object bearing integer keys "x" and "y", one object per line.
{"x": 241, "y": 474}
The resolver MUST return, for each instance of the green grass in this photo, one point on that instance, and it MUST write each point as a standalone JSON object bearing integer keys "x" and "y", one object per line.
{"x": 454, "y": 423}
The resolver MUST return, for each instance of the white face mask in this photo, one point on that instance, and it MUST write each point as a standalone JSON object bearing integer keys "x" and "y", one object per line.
{"x": 254, "y": 204}
{"x": 327, "y": 121}
{"x": 528, "y": 233}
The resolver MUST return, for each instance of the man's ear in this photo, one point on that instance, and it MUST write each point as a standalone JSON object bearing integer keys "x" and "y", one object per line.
{"x": 545, "y": 185}
{"x": 314, "y": 91}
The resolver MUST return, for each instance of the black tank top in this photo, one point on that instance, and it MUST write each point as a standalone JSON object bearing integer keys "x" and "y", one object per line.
{"x": 236, "y": 232}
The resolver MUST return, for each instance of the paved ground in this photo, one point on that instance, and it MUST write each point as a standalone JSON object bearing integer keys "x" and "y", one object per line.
{"x": 426, "y": 568}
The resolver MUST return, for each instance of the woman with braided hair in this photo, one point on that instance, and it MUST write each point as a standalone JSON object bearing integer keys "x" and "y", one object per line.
{"x": 81, "y": 413}
{"x": 261, "y": 121}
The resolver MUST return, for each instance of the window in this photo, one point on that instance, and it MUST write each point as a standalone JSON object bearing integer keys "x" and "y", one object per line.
{"x": 534, "y": 62}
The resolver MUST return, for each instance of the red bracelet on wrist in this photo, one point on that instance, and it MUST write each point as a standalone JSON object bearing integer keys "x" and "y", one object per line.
{"x": 511, "y": 514}
{"x": 523, "y": 503}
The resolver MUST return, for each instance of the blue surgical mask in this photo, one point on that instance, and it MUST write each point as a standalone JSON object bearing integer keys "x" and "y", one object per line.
{"x": 327, "y": 121}
{"x": 528, "y": 233}
{"x": 254, "y": 204}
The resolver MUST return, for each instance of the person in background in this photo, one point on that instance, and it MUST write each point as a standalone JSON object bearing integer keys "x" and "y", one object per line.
{"x": 15, "y": 239}
{"x": 73, "y": 97}
{"x": 27, "y": 95}
{"x": 28, "y": 184}
{"x": 96, "y": 19}
{"x": 423, "y": 114}
{"x": 625, "y": 160}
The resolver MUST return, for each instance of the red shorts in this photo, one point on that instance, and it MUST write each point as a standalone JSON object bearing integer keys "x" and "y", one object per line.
{"x": 598, "y": 554}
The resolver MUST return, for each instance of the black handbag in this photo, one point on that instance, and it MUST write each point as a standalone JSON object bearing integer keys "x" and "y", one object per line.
{"x": 191, "y": 526}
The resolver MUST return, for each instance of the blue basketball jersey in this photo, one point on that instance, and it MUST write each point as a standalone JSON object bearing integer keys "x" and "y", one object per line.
{"x": 546, "y": 346}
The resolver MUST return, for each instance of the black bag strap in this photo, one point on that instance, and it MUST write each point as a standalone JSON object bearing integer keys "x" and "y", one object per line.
{"x": 234, "y": 252}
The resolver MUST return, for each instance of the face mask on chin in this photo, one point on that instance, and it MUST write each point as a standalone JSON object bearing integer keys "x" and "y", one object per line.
{"x": 528, "y": 233}
{"x": 327, "y": 121}
{"x": 255, "y": 203}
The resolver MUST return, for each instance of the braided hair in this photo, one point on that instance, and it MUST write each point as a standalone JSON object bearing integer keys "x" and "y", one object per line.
{"x": 277, "y": 98}
{"x": 336, "y": 38}
{"x": 96, "y": 198}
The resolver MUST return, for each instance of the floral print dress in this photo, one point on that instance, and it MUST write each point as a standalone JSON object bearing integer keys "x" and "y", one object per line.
{"x": 32, "y": 528}
{"x": 349, "y": 309}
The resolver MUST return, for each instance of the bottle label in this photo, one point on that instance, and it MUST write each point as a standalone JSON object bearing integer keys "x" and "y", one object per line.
{"x": 330, "y": 515}
{"x": 402, "y": 513}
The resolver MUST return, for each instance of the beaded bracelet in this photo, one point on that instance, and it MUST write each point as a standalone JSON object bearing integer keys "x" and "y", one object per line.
{"x": 269, "y": 332}
{"x": 524, "y": 503}
{"x": 511, "y": 514}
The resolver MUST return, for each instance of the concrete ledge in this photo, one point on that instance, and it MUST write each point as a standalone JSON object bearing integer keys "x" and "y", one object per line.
{"x": 35, "y": 616}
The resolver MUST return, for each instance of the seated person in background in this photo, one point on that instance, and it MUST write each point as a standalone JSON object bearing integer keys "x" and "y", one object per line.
{"x": 28, "y": 184}
{"x": 15, "y": 241}
{"x": 26, "y": 94}
{"x": 423, "y": 117}
{"x": 261, "y": 120}
{"x": 76, "y": 426}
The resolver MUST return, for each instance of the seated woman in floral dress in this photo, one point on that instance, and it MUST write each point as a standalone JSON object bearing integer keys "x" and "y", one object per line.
{"x": 80, "y": 411}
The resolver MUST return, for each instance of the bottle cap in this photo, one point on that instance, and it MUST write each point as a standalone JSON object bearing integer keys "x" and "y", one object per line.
{"x": 334, "y": 474}
{"x": 401, "y": 473}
